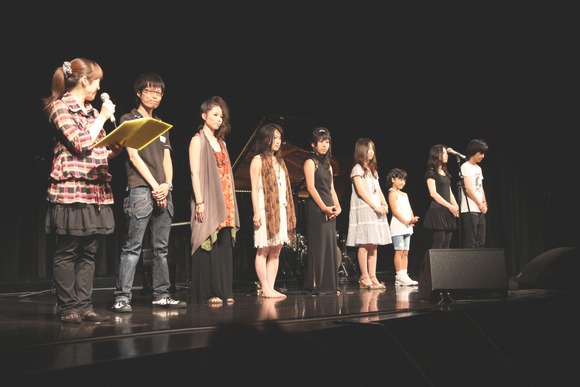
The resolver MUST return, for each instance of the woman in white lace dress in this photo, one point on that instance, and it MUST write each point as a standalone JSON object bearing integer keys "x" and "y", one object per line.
{"x": 274, "y": 217}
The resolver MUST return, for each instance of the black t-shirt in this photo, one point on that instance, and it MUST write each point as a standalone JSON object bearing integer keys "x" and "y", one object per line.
{"x": 152, "y": 155}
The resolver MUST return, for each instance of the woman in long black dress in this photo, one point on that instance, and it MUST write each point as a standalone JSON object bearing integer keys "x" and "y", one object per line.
{"x": 321, "y": 211}
{"x": 443, "y": 210}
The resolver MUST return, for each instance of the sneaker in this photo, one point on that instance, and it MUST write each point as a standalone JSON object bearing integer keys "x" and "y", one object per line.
{"x": 122, "y": 307}
{"x": 403, "y": 293}
{"x": 169, "y": 302}
{"x": 405, "y": 280}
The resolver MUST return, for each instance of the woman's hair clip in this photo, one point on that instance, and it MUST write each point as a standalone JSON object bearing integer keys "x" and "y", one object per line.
{"x": 322, "y": 131}
{"x": 66, "y": 69}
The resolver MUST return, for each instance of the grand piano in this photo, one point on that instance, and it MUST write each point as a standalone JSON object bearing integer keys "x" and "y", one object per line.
{"x": 298, "y": 130}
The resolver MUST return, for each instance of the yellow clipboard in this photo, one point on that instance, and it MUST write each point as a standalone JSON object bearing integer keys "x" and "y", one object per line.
{"x": 136, "y": 133}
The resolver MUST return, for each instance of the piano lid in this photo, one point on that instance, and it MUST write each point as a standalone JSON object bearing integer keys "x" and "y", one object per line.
{"x": 293, "y": 156}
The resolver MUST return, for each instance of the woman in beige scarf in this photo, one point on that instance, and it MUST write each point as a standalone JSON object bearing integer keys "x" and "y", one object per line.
{"x": 273, "y": 205}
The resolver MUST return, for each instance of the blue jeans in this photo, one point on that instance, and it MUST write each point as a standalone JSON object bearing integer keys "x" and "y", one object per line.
{"x": 142, "y": 212}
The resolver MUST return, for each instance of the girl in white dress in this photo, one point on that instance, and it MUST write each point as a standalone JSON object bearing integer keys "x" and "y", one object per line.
{"x": 368, "y": 226}
{"x": 274, "y": 217}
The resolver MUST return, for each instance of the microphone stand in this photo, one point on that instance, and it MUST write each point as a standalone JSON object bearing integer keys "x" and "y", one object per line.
{"x": 461, "y": 189}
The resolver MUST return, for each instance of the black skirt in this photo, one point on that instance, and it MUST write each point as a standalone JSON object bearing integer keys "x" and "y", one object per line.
{"x": 439, "y": 219}
{"x": 79, "y": 219}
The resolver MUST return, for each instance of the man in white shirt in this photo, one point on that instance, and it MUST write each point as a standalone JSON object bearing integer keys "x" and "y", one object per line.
{"x": 473, "y": 209}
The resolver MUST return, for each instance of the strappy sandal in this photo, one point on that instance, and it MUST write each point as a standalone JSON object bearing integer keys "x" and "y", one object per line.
{"x": 71, "y": 318}
{"x": 91, "y": 315}
{"x": 362, "y": 285}
{"x": 379, "y": 285}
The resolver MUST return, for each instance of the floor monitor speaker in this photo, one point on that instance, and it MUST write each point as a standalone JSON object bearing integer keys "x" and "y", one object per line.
{"x": 462, "y": 274}
{"x": 556, "y": 269}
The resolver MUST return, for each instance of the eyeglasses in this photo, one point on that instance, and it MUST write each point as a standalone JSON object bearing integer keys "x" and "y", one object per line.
{"x": 154, "y": 92}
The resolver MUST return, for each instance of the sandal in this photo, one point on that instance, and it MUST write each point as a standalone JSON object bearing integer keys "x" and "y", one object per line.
{"x": 230, "y": 301}
{"x": 377, "y": 285}
{"x": 362, "y": 285}
{"x": 91, "y": 315}
{"x": 215, "y": 301}
{"x": 71, "y": 318}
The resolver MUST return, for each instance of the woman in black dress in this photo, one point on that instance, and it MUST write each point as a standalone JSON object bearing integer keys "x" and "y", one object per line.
{"x": 321, "y": 211}
{"x": 443, "y": 210}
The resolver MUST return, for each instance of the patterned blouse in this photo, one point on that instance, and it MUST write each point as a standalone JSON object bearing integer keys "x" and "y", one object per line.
{"x": 79, "y": 173}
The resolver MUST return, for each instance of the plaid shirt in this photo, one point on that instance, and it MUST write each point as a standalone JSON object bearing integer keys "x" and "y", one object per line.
{"x": 79, "y": 173}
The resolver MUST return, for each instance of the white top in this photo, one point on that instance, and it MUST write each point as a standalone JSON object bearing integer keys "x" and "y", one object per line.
{"x": 404, "y": 207}
{"x": 475, "y": 174}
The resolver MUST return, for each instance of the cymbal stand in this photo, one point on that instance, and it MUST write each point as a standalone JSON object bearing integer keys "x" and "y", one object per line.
{"x": 346, "y": 263}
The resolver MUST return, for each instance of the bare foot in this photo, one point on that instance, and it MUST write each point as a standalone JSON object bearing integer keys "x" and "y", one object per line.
{"x": 215, "y": 301}
{"x": 269, "y": 294}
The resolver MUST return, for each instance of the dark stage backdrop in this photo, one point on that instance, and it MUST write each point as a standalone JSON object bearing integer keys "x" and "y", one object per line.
{"x": 408, "y": 76}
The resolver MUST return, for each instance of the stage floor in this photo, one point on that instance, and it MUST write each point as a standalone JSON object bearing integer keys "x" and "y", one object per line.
{"x": 36, "y": 344}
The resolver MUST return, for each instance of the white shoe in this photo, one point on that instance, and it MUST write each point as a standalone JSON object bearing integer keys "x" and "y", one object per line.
{"x": 168, "y": 302}
{"x": 403, "y": 292}
{"x": 122, "y": 306}
{"x": 405, "y": 280}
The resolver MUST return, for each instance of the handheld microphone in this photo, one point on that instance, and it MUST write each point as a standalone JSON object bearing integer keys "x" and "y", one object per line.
{"x": 454, "y": 152}
{"x": 105, "y": 97}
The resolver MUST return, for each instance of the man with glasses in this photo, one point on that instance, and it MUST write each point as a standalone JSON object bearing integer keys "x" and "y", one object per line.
{"x": 148, "y": 204}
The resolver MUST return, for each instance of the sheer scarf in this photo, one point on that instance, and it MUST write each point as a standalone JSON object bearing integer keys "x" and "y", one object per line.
{"x": 272, "y": 201}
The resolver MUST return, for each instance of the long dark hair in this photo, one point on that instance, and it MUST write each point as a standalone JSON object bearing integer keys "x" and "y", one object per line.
{"x": 361, "y": 149}
{"x": 265, "y": 138}
{"x": 435, "y": 159}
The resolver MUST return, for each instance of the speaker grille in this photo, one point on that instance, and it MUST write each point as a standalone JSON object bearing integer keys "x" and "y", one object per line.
{"x": 464, "y": 274}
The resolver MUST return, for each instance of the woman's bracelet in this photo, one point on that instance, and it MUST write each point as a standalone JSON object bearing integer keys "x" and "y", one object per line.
{"x": 199, "y": 204}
